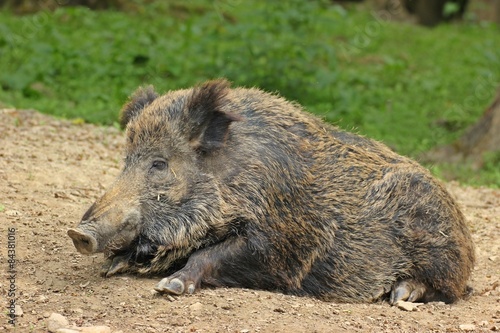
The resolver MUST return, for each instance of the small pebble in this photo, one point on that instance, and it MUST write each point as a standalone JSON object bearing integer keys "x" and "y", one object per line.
{"x": 467, "y": 327}
{"x": 95, "y": 329}
{"x": 56, "y": 321}
{"x": 196, "y": 306}
{"x": 407, "y": 306}
{"x": 19, "y": 312}
{"x": 67, "y": 330}
{"x": 12, "y": 213}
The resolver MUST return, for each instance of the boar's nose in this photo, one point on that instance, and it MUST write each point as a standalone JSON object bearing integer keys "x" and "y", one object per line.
{"x": 84, "y": 242}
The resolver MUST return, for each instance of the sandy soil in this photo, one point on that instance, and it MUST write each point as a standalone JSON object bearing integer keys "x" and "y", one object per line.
{"x": 52, "y": 170}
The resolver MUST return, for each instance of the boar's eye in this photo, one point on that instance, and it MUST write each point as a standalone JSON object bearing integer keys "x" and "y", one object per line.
{"x": 159, "y": 165}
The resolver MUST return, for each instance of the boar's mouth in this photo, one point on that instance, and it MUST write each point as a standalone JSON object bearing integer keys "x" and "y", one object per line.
{"x": 84, "y": 242}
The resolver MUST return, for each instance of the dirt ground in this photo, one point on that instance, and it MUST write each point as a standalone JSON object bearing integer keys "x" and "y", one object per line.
{"x": 52, "y": 170}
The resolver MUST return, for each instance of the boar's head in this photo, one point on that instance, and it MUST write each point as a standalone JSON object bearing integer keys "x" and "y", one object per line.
{"x": 164, "y": 203}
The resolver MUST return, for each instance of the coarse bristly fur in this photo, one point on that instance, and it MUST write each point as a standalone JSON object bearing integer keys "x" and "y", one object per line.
{"x": 241, "y": 188}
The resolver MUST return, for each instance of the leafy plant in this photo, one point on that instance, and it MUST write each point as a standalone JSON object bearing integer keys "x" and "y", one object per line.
{"x": 408, "y": 86}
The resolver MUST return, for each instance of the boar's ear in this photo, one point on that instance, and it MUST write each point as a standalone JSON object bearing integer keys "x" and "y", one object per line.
{"x": 209, "y": 124}
{"x": 141, "y": 98}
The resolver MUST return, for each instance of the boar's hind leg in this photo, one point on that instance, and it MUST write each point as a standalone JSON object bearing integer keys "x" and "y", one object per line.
{"x": 228, "y": 264}
{"x": 409, "y": 290}
{"x": 413, "y": 291}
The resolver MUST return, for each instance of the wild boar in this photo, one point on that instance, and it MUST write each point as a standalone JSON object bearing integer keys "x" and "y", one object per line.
{"x": 237, "y": 187}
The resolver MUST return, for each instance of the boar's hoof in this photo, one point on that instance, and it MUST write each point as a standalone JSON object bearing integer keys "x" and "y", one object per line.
{"x": 84, "y": 242}
{"x": 114, "y": 265}
{"x": 174, "y": 286}
{"x": 381, "y": 293}
{"x": 407, "y": 290}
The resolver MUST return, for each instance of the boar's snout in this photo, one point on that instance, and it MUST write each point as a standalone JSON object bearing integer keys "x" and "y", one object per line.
{"x": 84, "y": 242}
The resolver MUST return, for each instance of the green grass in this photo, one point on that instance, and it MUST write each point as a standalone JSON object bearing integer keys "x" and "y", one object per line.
{"x": 410, "y": 87}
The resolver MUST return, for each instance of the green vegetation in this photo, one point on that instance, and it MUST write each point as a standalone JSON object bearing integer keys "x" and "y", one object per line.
{"x": 411, "y": 87}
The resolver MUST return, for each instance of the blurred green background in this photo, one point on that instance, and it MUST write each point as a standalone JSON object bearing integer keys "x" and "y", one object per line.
{"x": 364, "y": 67}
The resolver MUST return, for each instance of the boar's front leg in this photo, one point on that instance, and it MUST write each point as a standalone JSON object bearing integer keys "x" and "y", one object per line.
{"x": 229, "y": 264}
{"x": 116, "y": 264}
